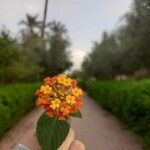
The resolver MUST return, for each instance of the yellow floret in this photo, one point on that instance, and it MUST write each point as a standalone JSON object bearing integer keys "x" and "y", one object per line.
{"x": 70, "y": 99}
{"x": 77, "y": 92}
{"x": 46, "y": 89}
{"x": 62, "y": 79}
{"x": 55, "y": 103}
{"x": 67, "y": 82}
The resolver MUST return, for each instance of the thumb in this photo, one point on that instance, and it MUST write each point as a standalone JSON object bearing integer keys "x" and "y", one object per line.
{"x": 77, "y": 145}
{"x": 69, "y": 139}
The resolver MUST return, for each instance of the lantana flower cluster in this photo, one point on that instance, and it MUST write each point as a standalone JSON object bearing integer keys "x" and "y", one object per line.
{"x": 59, "y": 96}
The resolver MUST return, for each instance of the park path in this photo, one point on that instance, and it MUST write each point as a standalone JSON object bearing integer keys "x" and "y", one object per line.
{"x": 98, "y": 130}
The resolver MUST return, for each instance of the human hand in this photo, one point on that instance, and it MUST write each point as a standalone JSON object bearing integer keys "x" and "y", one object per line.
{"x": 69, "y": 144}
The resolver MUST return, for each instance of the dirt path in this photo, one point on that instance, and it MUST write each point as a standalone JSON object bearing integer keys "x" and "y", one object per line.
{"x": 97, "y": 130}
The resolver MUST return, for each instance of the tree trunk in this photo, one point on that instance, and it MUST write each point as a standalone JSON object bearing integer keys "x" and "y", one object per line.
{"x": 44, "y": 19}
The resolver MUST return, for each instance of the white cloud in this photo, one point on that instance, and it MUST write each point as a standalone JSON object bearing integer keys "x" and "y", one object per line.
{"x": 77, "y": 58}
{"x": 32, "y": 9}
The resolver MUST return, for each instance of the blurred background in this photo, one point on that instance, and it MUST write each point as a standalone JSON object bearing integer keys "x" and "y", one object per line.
{"x": 90, "y": 40}
{"x": 94, "y": 39}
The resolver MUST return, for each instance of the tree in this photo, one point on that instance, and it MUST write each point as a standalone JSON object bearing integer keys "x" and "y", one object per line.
{"x": 32, "y": 43}
{"x": 13, "y": 67}
{"x": 125, "y": 50}
{"x": 58, "y": 56}
{"x": 100, "y": 61}
{"x": 138, "y": 23}
{"x": 31, "y": 23}
{"x": 8, "y": 49}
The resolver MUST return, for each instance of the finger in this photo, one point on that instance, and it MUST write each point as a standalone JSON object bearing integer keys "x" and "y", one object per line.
{"x": 77, "y": 145}
{"x": 70, "y": 138}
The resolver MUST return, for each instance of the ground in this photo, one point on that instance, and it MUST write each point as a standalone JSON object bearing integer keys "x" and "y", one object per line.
{"x": 98, "y": 130}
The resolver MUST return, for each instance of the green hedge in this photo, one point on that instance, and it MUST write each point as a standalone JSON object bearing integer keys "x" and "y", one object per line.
{"x": 128, "y": 100}
{"x": 15, "y": 101}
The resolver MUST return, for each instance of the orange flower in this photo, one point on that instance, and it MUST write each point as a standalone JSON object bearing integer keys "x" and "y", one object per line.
{"x": 38, "y": 93}
{"x": 74, "y": 83}
{"x": 49, "y": 113}
{"x": 79, "y": 102}
{"x": 59, "y": 96}
{"x": 50, "y": 81}
{"x": 61, "y": 117}
{"x": 65, "y": 109}
{"x": 42, "y": 101}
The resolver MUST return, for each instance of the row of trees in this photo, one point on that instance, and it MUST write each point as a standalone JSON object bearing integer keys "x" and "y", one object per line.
{"x": 31, "y": 55}
{"x": 125, "y": 50}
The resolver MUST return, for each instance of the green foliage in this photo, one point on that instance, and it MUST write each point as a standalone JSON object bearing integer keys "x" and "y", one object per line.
{"x": 32, "y": 55}
{"x": 76, "y": 74}
{"x": 14, "y": 63}
{"x": 125, "y": 50}
{"x": 138, "y": 23}
{"x": 18, "y": 71}
{"x": 8, "y": 49}
{"x": 77, "y": 114}
{"x": 49, "y": 52}
{"x": 51, "y": 132}
{"x": 103, "y": 54}
{"x": 31, "y": 23}
{"x": 57, "y": 57}
{"x": 15, "y": 101}
{"x": 128, "y": 100}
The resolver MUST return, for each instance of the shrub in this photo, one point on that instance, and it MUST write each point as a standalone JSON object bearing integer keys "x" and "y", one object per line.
{"x": 15, "y": 101}
{"x": 128, "y": 100}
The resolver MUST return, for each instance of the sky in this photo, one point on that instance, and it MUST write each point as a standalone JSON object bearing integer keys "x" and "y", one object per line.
{"x": 84, "y": 19}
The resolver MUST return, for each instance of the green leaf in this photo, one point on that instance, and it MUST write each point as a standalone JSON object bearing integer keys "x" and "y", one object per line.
{"x": 77, "y": 114}
{"x": 51, "y": 132}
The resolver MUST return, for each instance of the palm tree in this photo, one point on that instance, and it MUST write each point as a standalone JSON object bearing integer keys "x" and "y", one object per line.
{"x": 57, "y": 27}
{"x": 30, "y": 22}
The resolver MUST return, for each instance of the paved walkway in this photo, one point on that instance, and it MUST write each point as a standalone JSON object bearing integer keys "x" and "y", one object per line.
{"x": 98, "y": 130}
{"x": 101, "y": 131}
